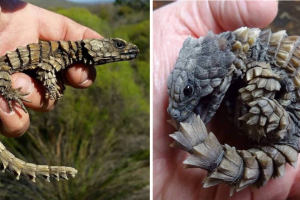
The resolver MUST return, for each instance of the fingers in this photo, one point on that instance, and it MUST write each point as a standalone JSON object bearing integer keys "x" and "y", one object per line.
{"x": 277, "y": 188}
{"x": 294, "y": 192}
{"x": 80, "y": 76}
{"x": 53, "y": 26}
{"x": 196, "y": 18}
{"x": 36, "y": 92}
{"x": 230, "y": 15}
{"x": 13, "y": 124}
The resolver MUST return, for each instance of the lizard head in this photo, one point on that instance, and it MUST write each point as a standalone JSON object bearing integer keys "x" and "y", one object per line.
{"x": 199, "y": 80}
{"x": 110, "y": 50}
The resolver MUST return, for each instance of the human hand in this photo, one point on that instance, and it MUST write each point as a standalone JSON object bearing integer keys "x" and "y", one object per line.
{"x": 21, "y": 24}
{"x": 172, "y": 25}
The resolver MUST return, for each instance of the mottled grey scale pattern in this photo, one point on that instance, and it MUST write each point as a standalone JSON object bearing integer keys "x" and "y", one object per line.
{"x": 47, "y": 59}
{"x": 264, "y": 68}
{"x": 209, "y": 51}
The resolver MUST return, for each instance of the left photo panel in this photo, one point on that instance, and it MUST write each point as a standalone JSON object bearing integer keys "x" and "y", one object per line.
{"x": 75, "y": 99}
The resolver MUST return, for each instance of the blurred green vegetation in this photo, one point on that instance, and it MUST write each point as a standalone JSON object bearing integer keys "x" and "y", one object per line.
{"x": 137, "y": 4}
{"x": 102, "y": 131}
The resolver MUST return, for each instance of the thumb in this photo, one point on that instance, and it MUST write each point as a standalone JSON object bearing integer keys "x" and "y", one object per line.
{"x": 196, "y": 18}
{"x": 230, "y": 15}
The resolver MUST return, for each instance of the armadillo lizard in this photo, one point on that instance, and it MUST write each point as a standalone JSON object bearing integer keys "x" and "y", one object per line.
{"x": 47, "y": 59}
{"x": 264, "y": 68}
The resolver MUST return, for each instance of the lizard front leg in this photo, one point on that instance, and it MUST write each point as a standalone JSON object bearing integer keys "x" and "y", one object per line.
{"x": 9, "y": 93}
{"x": 46, "y": 72}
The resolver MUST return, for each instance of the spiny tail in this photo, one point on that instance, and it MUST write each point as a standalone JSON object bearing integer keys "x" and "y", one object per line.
{"x": 227, "y": 165}
{"x": 19, "y": 168}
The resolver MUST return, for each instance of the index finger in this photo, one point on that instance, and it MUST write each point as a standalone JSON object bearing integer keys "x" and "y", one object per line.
{"x": 53, "y": 26}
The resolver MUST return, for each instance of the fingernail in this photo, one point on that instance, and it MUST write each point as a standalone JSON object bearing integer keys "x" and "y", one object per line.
{"x": 4, "y": 105}
{"x": 21, "y": 81}
{"x": 25, "y": 83}
{"x": 88, "y": 76}
{"x": 84, "y": 75}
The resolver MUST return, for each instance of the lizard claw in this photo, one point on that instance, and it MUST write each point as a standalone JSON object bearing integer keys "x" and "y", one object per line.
{"x": 16, "y": 95}
{"x": 54, "y": 93}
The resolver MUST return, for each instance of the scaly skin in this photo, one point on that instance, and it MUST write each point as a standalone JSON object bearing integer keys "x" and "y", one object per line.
{"x": 47, "y": 59}
{"x": 265, "y": 68}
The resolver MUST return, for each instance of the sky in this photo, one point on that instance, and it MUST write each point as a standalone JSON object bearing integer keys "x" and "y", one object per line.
{"x": 91, "y": 1}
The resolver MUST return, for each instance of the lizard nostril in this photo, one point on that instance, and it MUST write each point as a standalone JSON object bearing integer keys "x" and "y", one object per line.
{"x": 175, "y": 113}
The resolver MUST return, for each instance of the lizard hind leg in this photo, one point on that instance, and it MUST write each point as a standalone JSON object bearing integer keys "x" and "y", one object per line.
{"x": 267, "y": 118}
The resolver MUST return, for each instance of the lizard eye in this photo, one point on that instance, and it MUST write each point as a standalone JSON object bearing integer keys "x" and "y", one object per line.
{"x": 188, "y": 90}
{"x": 119, "y": 44}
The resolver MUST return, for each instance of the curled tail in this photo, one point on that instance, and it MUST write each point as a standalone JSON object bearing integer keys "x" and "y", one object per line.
{"x": 227, "y": 165}
{"x": 19, "y": 168}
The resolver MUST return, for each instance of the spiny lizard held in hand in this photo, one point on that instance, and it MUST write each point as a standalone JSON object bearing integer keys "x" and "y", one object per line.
{"x": 264, "y": 70}
{"x": 47, "y": 59}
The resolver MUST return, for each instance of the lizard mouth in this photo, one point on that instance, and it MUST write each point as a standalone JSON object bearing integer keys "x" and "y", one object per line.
{"x": 202, "y": 108}
{"x": 132, "y": 55}
{"x": 129, "y": 56}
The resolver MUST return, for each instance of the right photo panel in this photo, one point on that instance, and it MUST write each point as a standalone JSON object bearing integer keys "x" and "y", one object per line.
{"x": 226, "y": 100}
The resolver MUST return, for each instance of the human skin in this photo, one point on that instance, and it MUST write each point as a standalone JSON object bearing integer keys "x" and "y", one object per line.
{"x": 21, "y": 24}
{"x": 172, "y": 24}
